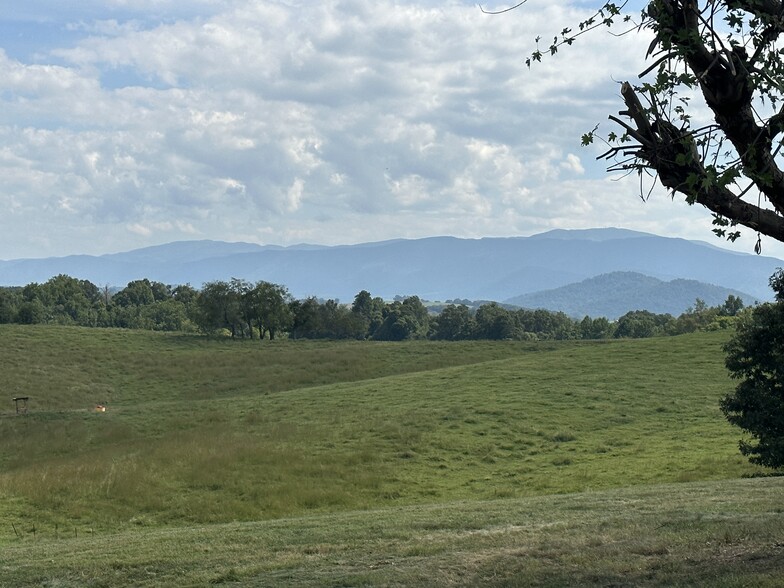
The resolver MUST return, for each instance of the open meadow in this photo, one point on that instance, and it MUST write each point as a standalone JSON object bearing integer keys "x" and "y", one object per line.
{"x": 366, "y": 463}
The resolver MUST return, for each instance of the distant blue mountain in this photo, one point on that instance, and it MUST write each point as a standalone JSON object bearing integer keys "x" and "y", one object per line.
{"x": 185, "y": 251}
{"x": 436, "y": 268}
{"x": 614, "y": 294}
{"x": 608, "y": 234}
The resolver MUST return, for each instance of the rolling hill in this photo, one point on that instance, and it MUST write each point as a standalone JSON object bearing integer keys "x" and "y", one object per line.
{"x": 343, "y": 463}
{"x": 614, "y": 294}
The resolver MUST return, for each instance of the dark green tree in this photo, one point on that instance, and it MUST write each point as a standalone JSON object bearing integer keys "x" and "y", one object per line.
{"x": 455, "y": 323}
{"x": 638, "y": 324}
{"x": 696, "y": 318}
{"x": 136, "y": 293}
{"x": 553, "y": 325}
{"x": 31, "y": 312}
{"x": 185, "y": 293}
{"x": 598, "y": 328}
{"x": 218, "y": 307}
{"x": 32, "y": 291}
{"x": 71, "y": 301}
{"x": 164, "y": 315}
{"x": 370, "y": 310}
{"x": 160, "y": 291}
{"x": 755, "y": 356}
{"x": 188, "y": 296}
{"x": 732, "y": 306}
{"x": 495, "y": 322}
{"x": 403, "y": 320}
{"x": 243, "y": 293}
{"x": 10, "y": 299}
{"x": 340, "y": 322}
{"x": 305, "y": 319}
{"x": 270, "y": 306}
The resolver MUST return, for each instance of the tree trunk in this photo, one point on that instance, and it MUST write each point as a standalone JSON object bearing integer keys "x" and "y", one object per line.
{"x": 261, "y": 330}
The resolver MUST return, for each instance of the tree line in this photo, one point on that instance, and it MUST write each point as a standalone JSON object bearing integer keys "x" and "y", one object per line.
{"x": 263, "y": 310}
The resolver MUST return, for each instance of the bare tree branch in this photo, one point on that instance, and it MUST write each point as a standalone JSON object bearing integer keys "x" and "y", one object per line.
{"x": 518, "y": 5}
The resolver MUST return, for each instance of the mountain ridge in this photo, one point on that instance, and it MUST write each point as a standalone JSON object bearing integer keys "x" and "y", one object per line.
{"x": 434, "y": 268}
{"x": 614, "y": 294}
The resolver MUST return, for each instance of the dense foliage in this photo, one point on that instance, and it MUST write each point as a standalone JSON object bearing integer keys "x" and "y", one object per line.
{"x": 755, "y": 355}
{"x": 65, "y": 300}
{"x": 265, "y": 310}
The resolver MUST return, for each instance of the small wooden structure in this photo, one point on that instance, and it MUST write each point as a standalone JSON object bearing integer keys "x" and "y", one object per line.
{"x": 20, "y": 402}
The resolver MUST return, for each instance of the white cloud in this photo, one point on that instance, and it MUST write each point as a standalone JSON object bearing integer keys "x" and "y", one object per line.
{"x": 572, "y": 163}
{"x": 294, "y": 194}
{"x": 140, "y": 230}
{"x": 335, "y": 121}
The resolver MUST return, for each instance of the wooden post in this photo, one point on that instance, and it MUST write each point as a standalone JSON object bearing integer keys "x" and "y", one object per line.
{"x": 20, "y": 402}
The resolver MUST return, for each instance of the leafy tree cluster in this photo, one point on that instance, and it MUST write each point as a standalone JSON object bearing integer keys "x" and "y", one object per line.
{"x": 69, "y": 301}
{"x": 700, "y": 317}
{"x": 366, "y": 318}
{"x": 244, "y": 309}
{"x": 493, "y": 321}
{"x": 265, "y": 310}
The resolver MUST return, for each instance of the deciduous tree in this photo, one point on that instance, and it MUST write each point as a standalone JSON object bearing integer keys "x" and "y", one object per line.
{"x": 218, "y": 308}
{"x": 403, "y": 320}
{"x": 455, "y": 323}
{"x": 270, "y": 305}
{"x": 494, "y": 322}
{"x": 370, "y": 310}
{"x": 726, "y": 52}
{"x": 136, "y": 293}
{"x": 755, "y": 356}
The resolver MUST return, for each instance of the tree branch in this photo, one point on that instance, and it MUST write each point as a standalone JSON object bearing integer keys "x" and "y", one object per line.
{"x": 672, "y": 153}
{"x": 727, "y": 89}
{"x": 764, "y": 9}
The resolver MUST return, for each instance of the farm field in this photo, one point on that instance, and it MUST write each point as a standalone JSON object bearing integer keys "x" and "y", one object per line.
{"x": 356, "y": 463}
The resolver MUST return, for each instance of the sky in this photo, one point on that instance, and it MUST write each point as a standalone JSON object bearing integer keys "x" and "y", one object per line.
{"x": 130, "y": 123}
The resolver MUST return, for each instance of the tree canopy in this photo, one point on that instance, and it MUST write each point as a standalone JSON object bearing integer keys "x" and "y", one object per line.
{"x": 727, "y": 52}
{"x": 755, "y": 355}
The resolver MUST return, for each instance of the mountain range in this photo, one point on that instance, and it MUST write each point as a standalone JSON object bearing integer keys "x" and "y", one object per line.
{"x": 435, "y": 268}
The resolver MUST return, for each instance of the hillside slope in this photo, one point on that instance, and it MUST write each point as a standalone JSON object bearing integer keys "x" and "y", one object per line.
{"x": 612, "y": 295}
{"x": 249, "y": 430}
{"x": 358, "y": 463}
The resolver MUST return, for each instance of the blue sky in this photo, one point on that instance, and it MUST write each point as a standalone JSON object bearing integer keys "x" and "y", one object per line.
{"x": 127, "y": 123}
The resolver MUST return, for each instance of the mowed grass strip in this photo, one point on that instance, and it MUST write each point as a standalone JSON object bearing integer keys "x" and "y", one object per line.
{"x": 722, "y": 534}
{"x": 540, "y": 419}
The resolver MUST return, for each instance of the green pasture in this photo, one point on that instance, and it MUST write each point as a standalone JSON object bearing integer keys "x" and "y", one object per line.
{"x": 201, "y": 431}
{"x": 208, "y": 438}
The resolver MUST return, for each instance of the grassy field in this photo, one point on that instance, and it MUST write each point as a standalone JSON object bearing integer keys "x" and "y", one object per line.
{"x": 354, "y": 463}
{"x": 718, "y": 534}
